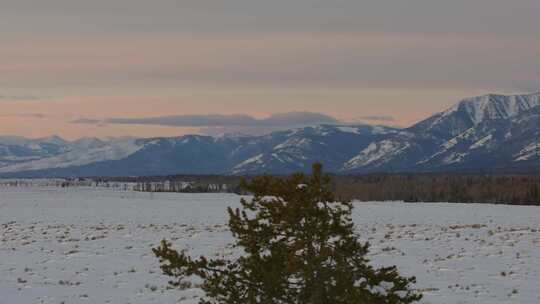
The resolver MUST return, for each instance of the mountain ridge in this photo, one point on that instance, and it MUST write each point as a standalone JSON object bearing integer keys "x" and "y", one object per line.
{"x": 489, "y": 132}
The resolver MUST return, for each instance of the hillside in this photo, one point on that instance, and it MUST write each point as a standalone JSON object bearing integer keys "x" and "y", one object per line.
{"x": 485, "y": 133}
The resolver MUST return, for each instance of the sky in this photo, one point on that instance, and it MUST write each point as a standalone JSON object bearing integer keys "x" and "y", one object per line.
{"x": 144, "y": 68}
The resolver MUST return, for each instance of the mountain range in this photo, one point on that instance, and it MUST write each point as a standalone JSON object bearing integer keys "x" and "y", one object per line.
{"x": 481, "y": 134}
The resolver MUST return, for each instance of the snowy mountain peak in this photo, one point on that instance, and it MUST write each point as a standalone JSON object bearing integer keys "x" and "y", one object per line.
{"x": 490, "y": 132}
{"x": 474, "y": 111}
{"x": 493, "y": 106}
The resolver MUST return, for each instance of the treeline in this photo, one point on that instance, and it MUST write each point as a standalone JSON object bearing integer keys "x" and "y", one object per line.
{"x": 496, "y": 189}
{"x": 185, "y": 187}
{"x": 428, "y": 187}
{"x": 65, "y": 183}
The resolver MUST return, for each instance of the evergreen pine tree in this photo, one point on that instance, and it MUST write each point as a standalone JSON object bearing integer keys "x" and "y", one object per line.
{"x": 299, "y": 246}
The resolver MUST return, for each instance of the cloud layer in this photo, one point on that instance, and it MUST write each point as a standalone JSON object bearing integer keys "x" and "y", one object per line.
{"x": 18, "y": 97}
{"x": 345, "y": 58}
{"x": 376, "y": 118}
{"x": 215, "y": 124}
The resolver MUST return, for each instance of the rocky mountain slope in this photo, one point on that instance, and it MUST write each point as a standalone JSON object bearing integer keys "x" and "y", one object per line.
{"x": 491, "y": 132}
{"x": 278, "y": 152}
{"x": 486, "y": 133}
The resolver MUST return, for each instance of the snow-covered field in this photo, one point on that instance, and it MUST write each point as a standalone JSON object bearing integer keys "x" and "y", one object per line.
{"x": 88, "y": 245}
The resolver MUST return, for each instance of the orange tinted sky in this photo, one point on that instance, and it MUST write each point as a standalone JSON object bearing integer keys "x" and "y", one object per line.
{"x": 43, "y": 117}
{"x": 66, "y": 60}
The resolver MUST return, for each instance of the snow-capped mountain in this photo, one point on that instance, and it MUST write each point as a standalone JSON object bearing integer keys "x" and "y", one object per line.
{"x": 296, "y": 150}
{"x": 491, "y": 132}
{"x": 278, "y": 152}
{"x": 473, "y": 111}
{"x": 19, "y": 154}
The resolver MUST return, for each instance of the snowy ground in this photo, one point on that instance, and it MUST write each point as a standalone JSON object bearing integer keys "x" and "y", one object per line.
{"x": 94, "y": 245}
